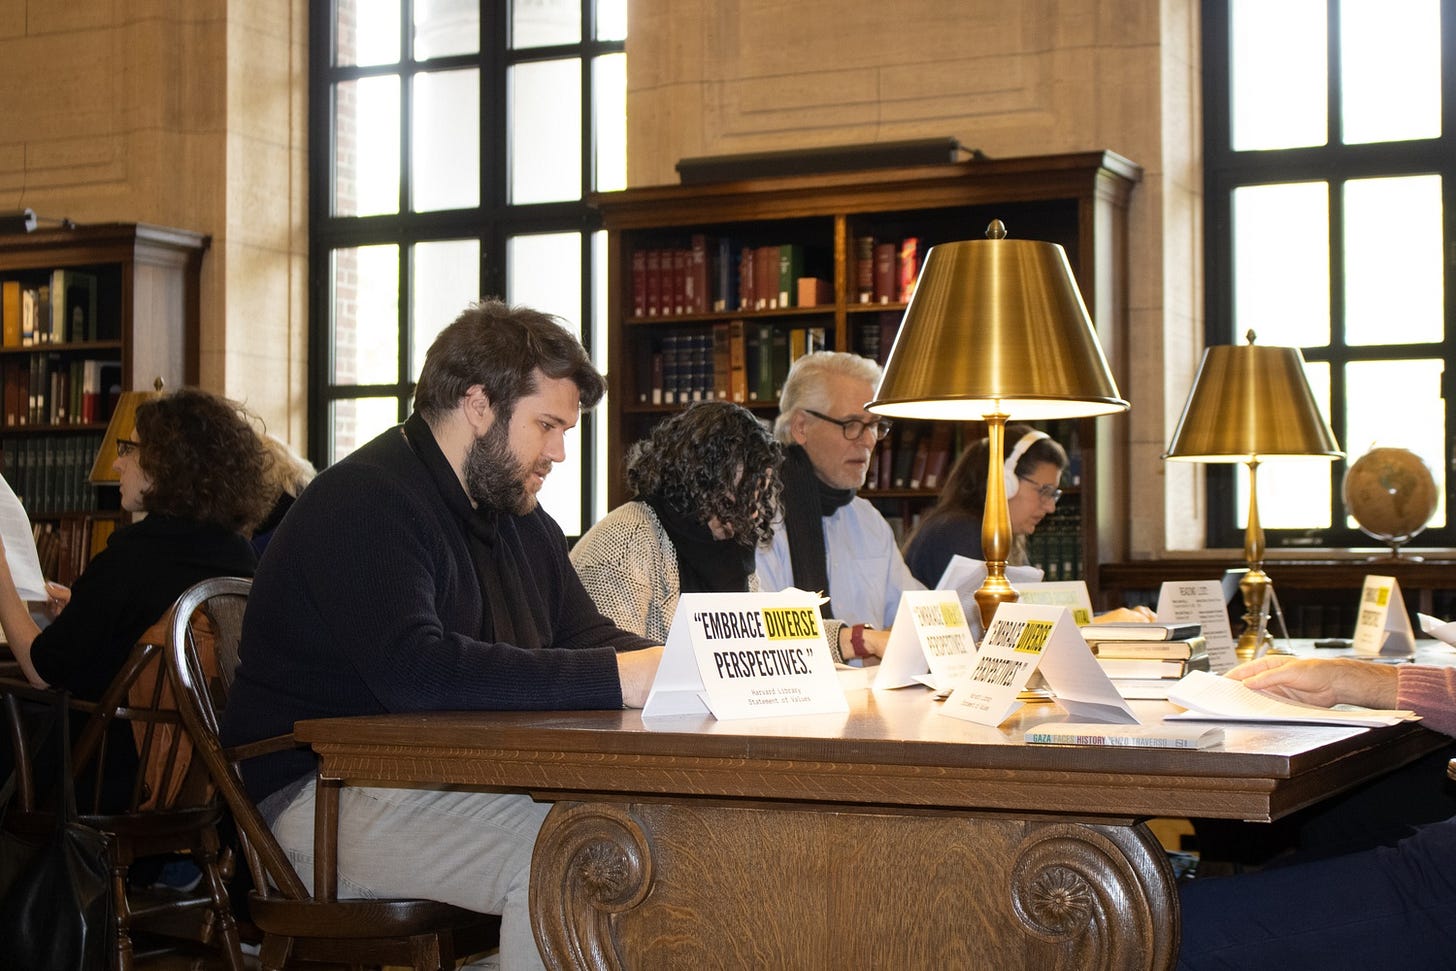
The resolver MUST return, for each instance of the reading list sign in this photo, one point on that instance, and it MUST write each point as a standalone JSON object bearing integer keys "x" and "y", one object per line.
{"x": 743, "y": 655}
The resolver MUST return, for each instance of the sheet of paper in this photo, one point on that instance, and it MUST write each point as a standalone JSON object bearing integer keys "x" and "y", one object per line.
{"x": 1071, "y": 594}
{"x": 1201, "y": 601}
{"x": 1441, "y": 630}
{"x": 20, "y": 546}
{"x": 965, "y": 575}
{"x": 1212, "y": 697}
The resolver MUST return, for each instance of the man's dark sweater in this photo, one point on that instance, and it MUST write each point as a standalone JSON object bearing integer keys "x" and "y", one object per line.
{"x": 368, "y": 601}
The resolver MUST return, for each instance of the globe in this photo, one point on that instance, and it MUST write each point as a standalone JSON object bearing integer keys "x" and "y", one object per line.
{"x": 1392, "y": 495}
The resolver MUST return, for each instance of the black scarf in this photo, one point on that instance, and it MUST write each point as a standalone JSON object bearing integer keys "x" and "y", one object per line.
{"x": 704, "y": 564}
{"x": 508, "y": 617}
{"x": 806, "y": 501}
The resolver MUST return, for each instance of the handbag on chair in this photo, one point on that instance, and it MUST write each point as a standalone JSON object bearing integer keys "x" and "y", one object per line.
{"x": 55, "y": 895}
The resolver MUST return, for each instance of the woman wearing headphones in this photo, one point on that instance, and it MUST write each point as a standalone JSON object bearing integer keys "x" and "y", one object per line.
{"x": 1033, "y": 474}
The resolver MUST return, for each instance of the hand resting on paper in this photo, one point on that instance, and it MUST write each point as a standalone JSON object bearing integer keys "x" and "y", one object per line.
{"x": 1321, "y": 681}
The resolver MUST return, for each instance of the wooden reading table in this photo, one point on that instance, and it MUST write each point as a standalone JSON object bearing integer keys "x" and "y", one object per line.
{"x": 890, "y": 837}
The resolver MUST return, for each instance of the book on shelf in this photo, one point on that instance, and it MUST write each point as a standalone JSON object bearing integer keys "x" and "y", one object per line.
{"x": 1150, "y": 631}
{"x": 639, "y": 283}
{"x": 678, "y": 281}
{"x": 766, "y": 278}
{"x": 791, "y": 268}
{"x": 889, "y": 327}
{"x": 908, "y": 268}
{"x": 813, "y": 291}
{"x": 696, "y": 300}
{"x": 1177, "y": 650}
{"x": 653, "y": 270}
{"x": 884, "y": 467}
{"x": 747, "y": 292}
{"x": 918, "y": 462}
{"x": 724, "y": 274}
{"x": 722, "y": 363}
{"x": 886, "y": 286}
{"x": 737, "y": 362}
{"x": 73, "y": 305}
{"x": 761, "y": 363}
{"x": 937, "y": 455}
{"x": 29, "y": 312}
{"x": 10, "y": 313}
{"x": 864, "y": 269}
{"x": 655, "y": 379}
{"x": 1151, "y": 667}
{"x": 906, "y": 441}
{"x": 867, "y": 339}
{"x": 780, "y": 359}
{"x": 1156, "y": 735}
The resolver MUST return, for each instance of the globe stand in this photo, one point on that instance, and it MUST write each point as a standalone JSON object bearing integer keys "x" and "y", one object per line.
{"x": 1395, "y": 556}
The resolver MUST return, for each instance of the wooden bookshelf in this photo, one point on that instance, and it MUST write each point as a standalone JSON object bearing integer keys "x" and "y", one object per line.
{"x": 85, "y": 313}
{"x": 1077, "y": 200}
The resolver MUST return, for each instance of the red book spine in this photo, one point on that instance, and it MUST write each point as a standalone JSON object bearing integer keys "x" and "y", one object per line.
{"x": 639, "y": 283}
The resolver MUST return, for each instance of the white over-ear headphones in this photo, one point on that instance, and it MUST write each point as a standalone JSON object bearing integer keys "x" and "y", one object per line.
{"x": 1017, "y": 451}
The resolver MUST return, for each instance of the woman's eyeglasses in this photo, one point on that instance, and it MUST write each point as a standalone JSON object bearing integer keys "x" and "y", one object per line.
{"x": 853, "y": 428}
{"x": 1049, "y": 493}
{"x": 125, "y": 446}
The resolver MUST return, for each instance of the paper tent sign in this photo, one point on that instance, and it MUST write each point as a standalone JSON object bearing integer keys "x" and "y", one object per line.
{"x": 742, "y": 655}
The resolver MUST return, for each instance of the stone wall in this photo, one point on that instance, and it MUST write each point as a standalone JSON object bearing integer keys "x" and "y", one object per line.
{"x": 715, "y": 77}
{"x": 186, "y": 113}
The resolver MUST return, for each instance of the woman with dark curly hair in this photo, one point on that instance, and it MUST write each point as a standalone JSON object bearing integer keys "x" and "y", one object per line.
{"x": 195, "y": 467}
{"x": 706, "y": 484}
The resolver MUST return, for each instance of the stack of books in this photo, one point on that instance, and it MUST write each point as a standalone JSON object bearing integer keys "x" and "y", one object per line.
{"x": 1144, "y": 660}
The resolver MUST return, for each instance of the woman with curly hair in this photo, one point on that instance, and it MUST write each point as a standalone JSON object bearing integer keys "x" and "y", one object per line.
{"x": 195, "y": 467}
{"x": 706, "y": 484}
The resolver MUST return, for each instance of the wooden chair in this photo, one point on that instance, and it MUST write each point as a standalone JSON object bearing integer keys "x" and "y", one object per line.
{"x": 297, "y": 926}
{"x": 171, "y": 806}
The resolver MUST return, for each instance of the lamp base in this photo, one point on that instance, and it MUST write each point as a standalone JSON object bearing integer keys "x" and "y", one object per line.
{"x": 994, "y": 591}
{"x": 1255, "y": 639}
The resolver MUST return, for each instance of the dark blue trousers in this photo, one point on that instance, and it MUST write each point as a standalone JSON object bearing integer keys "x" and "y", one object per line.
{"x": 1390, "y": 906}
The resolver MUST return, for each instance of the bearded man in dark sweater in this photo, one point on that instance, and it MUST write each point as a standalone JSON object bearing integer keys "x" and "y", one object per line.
{"x": 420, "y": 574}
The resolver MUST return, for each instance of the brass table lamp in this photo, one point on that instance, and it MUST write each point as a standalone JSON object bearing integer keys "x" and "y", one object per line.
{"x": 121, "y": 425}
{"x": 1250, "y": 402}
{"x": 996, "y": 328}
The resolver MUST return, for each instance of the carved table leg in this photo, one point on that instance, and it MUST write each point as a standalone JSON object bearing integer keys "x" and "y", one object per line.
{"x": 699, "y": 886}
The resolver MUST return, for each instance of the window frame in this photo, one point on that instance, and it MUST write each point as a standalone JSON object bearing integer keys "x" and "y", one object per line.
{"x": 1335, "y": 164}
{"x": 493, "y": 222}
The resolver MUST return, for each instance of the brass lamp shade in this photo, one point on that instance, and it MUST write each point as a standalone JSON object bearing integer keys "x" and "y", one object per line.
{"x": 122, "y": 425}
{"x": 1249, "y": 403}
{"x": 996, "y": 328}
{"x": 996, "y": 325}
